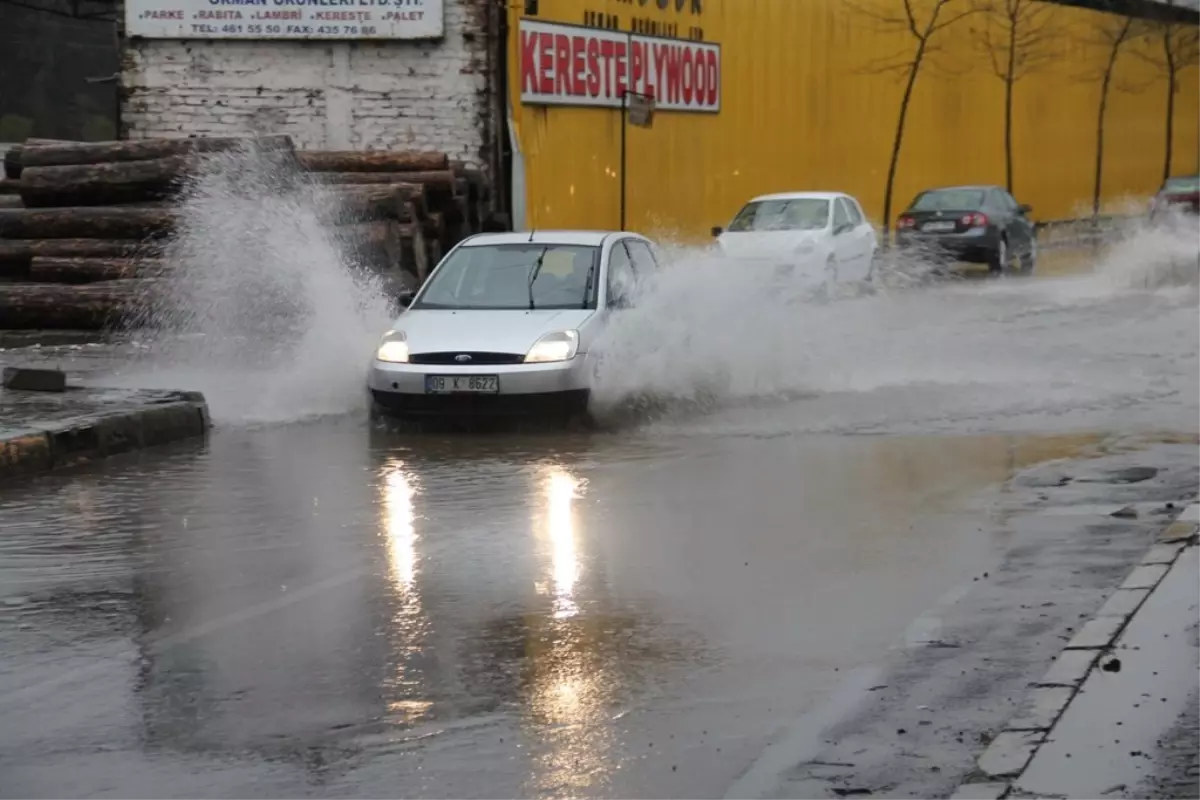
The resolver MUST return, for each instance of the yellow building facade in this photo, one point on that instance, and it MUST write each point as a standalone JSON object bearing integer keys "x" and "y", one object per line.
{"x": 808, "y": 94}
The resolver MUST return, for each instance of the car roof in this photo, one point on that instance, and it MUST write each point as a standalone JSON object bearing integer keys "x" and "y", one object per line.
{"x": 798, "y": 196}
{"x": 974, "y": 187}
{"x": 567, "y": 237}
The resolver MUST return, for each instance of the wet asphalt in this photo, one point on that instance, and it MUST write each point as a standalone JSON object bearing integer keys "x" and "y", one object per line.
{"x": 685, "y": 609}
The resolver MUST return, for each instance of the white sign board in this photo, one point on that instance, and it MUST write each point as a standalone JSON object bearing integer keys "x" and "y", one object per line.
{"x": 284, "y": 19}
{"x": 569, "y": 65}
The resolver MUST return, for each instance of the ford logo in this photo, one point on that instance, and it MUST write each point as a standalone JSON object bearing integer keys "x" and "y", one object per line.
{"x": 462, "y": 358}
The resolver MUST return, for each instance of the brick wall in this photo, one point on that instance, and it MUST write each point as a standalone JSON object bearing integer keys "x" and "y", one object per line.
{"x": 326, "y": 95}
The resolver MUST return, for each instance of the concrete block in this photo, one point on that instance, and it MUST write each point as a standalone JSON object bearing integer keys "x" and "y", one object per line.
{"x": 1009, "y": 753}
{"x": 1123, "y": 603}
{"x": 1041, "y": 708}
{"x": 1096, "y": 633}
{"x": 980, "y": 791}
{"x": 23, "y": 379}
{"x": 1145, "y": 577}
{"x": 1069, "y": 669}
{"x": 1179, "y": 531}
{"x": 1190, "y": 514}
{"x": 1163, "y": 553}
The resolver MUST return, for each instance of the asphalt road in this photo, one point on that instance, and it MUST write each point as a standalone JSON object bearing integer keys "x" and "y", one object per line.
{"x": 675, "y": 609}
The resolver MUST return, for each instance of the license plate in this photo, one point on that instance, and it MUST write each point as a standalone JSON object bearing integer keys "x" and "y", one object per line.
{"x": 453, "y": 384}
{"x": 938, "y": 226}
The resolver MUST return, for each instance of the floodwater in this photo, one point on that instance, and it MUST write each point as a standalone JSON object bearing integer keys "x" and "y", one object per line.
{"x": 307, "y": 605}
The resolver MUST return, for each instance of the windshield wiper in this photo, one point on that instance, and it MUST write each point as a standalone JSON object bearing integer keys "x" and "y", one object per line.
{"x": 533, "y": 275}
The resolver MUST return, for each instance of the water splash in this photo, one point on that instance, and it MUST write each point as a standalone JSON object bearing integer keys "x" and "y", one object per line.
{"x": 261, "y": 308}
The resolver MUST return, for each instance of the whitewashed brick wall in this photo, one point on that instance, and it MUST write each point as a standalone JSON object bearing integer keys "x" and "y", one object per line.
{"x": 325, "y": 95}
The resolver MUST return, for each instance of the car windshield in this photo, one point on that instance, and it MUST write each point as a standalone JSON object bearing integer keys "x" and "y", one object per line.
{"x": 948, "y": 200}
{"x": 804, "y": 214}
{"x": 1186, "y": 184}
{"x": 507, "y": 276}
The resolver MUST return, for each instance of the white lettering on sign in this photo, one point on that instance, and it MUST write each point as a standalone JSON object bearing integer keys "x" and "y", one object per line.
{"x": 284, "y": 19}
{"x": 574, "y": 66}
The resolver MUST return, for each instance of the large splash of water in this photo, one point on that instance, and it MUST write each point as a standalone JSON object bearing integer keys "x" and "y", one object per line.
{"x": 261, "y": 308}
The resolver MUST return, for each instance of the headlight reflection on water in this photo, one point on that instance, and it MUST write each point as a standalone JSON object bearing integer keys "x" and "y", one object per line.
{"x": 561, "y": 491}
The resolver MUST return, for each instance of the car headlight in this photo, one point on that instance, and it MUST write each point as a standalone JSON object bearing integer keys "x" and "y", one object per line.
{"x": 393, "y": 348}
{"x": 558, "y": 346}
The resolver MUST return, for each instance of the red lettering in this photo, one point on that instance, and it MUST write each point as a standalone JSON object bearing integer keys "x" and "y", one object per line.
{"x": 689, "y": 75}
{"x": 593, "y": 67}
{"x": 672, "y": 73}
{"x": 529, "y": 81}
{"x": 578, "y": 51}
{"x": 546, "y": 63}
{"x": 606, "y": 53}
{"x": 701, "y": 79}
{"x": 637, "y": 70}
{"x": 714, "y": 79}
{"x": 622, "y": 65}
{"x": 562, "y": 64}
{"x": 660, "y": 70}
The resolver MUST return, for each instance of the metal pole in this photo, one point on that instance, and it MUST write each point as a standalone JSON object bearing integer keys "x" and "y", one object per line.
{"x": 624, "y": 111}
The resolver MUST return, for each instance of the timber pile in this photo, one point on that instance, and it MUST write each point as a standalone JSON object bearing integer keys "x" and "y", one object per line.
{"x": 443, "y": 201}
{"x": 82, "y": 224}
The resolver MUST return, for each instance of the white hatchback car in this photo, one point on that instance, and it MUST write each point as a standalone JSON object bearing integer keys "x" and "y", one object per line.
{"x": 821, "y": 236}
{"x": 504, "y": 323}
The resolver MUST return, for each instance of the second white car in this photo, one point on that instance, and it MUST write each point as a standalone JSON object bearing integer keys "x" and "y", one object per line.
{"x": 822, "y": 236}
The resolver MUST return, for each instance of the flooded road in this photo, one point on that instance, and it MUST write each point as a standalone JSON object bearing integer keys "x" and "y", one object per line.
{"x": 325, "y": 609}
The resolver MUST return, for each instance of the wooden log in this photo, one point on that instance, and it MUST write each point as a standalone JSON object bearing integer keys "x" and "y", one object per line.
{"x": 28, "y": 249}
{"x": 12, "y": 162}
{"x": 414, "y": 252}
{"x": 373, "y": 244}
{"x": 371, "y": 161}
{"x": 103, "y": 184}
{"x": 365, "y": 205}
{"x": 40, "y": 306}
{"x": 10, "y": 201}
{"x": 84, "y": 223}
{"x": 9, "y": 186}
{"x": 92, "y": 270}
{"x": 143, "y": 149}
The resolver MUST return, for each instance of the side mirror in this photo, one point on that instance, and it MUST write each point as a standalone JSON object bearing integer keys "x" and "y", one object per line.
{"x": 405, "y": 298}
{"x": 840, "y": 229}
{"x": 1025, "y": 208}
{"x": 717, "y": 230}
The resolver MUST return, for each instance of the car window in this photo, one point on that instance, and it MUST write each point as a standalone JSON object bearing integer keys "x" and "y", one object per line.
{"x": 1182, "y": 184}
{"x": 621, "y": 275}
{"x": 1005, "y": 200}
{"x": 508, "y": 276}
{"x": 856, "y": 217}
{"x": 803, "y": 213}
{"x": 642, "y": 256}
{"x": 840, "y": 215}
{"x": 948, "y": 200}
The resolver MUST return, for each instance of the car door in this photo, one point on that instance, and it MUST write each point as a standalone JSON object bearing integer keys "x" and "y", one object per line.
{"x": 864, "y": 234}
{"x": 1019, "y": 228}
{"x": 845, "y": 242}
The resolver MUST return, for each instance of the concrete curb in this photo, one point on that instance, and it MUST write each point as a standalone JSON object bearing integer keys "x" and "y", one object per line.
{"x": 1008, "y": 755}
{"x": 154, "y": 418}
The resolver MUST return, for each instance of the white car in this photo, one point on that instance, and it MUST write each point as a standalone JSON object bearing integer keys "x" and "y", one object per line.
{"x": 504, "y": 323}
{"x": 822, "y": 236}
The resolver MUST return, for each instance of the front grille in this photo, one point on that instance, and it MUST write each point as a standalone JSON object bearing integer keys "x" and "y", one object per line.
{"x": 476, "y": 358}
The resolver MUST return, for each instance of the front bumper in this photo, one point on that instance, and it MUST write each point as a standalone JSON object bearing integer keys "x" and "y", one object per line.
{"x": 524, "y": 389}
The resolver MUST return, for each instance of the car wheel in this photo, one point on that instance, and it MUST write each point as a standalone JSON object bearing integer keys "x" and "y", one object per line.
{"x": 999, "y": 263}
{"x": 1029, "y": 260}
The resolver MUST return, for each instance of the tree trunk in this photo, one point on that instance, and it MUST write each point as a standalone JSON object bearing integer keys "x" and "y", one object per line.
{"x": 26, "y": 249}
{"x": 143, "y": 149}
{"x": 1098, "y": 179}
{"x": 1009, "y": 80}
{"x": 84, "y": 223}
{"x": 1170, "y": 143}
{"x": 38, "y": 306}
{"x": 103, "y": 184}
{"x": 91, "y": 270}
{"x": 371, "y": 161}
{"x": 898, "y": 140}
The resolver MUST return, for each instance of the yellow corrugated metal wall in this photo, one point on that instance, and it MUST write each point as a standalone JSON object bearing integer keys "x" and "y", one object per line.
{"x": 804, "y": 106}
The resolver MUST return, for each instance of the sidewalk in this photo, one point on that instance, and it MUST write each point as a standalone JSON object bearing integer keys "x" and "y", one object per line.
{"x": 1116, "y": 715}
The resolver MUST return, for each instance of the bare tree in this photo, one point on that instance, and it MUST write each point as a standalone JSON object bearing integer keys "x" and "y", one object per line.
{"x": 1113, "y": 32}
{"x": 1174, "y": 47}
{"x": 1018, "y": 38}
{"x": 907, "y": 19}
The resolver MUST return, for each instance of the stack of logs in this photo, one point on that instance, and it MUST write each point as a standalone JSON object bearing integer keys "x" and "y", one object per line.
{"x": 82, "y": 225}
